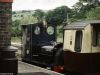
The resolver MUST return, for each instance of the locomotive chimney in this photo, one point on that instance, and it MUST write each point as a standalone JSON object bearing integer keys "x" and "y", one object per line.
{"x": 8, "y": 60}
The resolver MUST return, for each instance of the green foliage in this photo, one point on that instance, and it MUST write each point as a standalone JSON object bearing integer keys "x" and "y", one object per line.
{"x": 16, "y": 39}
{"x": 28, "y": 20}
{"x": 39, "y": 14}
{"x": 58, "y": 15}
{"x": 13, "y": 12}
{"x": 81, "y": 8}
{"x": 60, "y": 33}
{"x": 91, "y": 2}
{"x": 16, "y": 29}
{"x": 94, "y": 14}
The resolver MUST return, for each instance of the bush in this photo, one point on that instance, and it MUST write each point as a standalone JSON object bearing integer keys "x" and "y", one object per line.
{"x": 16, "y": 28}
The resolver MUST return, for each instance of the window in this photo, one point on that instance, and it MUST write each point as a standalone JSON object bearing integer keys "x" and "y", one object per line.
{"x": 50, "y": 30}
{"x": 37, "y": 30}
{"x": 78, "y": 41}
{"x": 96, "y": 35}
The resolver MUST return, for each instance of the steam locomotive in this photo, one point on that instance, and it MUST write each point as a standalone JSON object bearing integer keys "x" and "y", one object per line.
{"x": 39, "y": 46}
{"x": 79, "y": 53}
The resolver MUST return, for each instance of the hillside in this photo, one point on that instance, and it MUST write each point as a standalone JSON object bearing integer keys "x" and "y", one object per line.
{"x": 24, "y": 16}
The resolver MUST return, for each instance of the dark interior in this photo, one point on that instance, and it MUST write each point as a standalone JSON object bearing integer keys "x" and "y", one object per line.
{"x": 96, "y": 34}
{"x": 78, "y": 41}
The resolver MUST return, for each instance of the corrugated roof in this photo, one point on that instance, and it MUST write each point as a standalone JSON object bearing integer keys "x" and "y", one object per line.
{"x": 81, "y": 25}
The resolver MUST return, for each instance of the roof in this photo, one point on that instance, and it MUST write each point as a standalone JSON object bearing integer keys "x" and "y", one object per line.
{"x": 81, "y": 25}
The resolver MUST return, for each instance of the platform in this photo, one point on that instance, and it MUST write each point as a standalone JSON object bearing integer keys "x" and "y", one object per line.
{"x": 28, "y": 69}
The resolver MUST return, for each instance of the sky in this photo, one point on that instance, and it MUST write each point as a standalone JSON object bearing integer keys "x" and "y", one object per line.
{"x": 41, "y": 4}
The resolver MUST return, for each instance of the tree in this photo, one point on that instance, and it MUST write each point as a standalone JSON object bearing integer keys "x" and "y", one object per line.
{"x": 16, "y": 29}
{"x": 94, "y": 14}
{"x": 91, "y": 2}
{"x": 13, "y": 12}
{"x": 58, "y": 15}
{"x": 83, "y": 6}
{"x": 39, "y": 14}
{"x": 79, "y": 10}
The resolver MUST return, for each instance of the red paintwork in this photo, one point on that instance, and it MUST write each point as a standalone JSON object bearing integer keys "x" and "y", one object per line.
{"x": 85, "y": 63}
{"x": 6, "y": 1}
{"x": 59, "y": 69}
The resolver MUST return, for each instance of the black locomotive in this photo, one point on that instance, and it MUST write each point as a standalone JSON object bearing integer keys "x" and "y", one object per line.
{"x": 39, "y": 46}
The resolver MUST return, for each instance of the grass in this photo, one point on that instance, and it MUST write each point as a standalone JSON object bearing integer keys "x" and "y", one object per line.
{"x": 16, "y": 39}
{"x": 59, "y": 39}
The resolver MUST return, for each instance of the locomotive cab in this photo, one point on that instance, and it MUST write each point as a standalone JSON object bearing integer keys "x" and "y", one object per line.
{"x": 82, "y": 47}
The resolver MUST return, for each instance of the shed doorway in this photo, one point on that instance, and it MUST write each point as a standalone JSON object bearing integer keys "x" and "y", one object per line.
{"x": 78, "y": 41}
